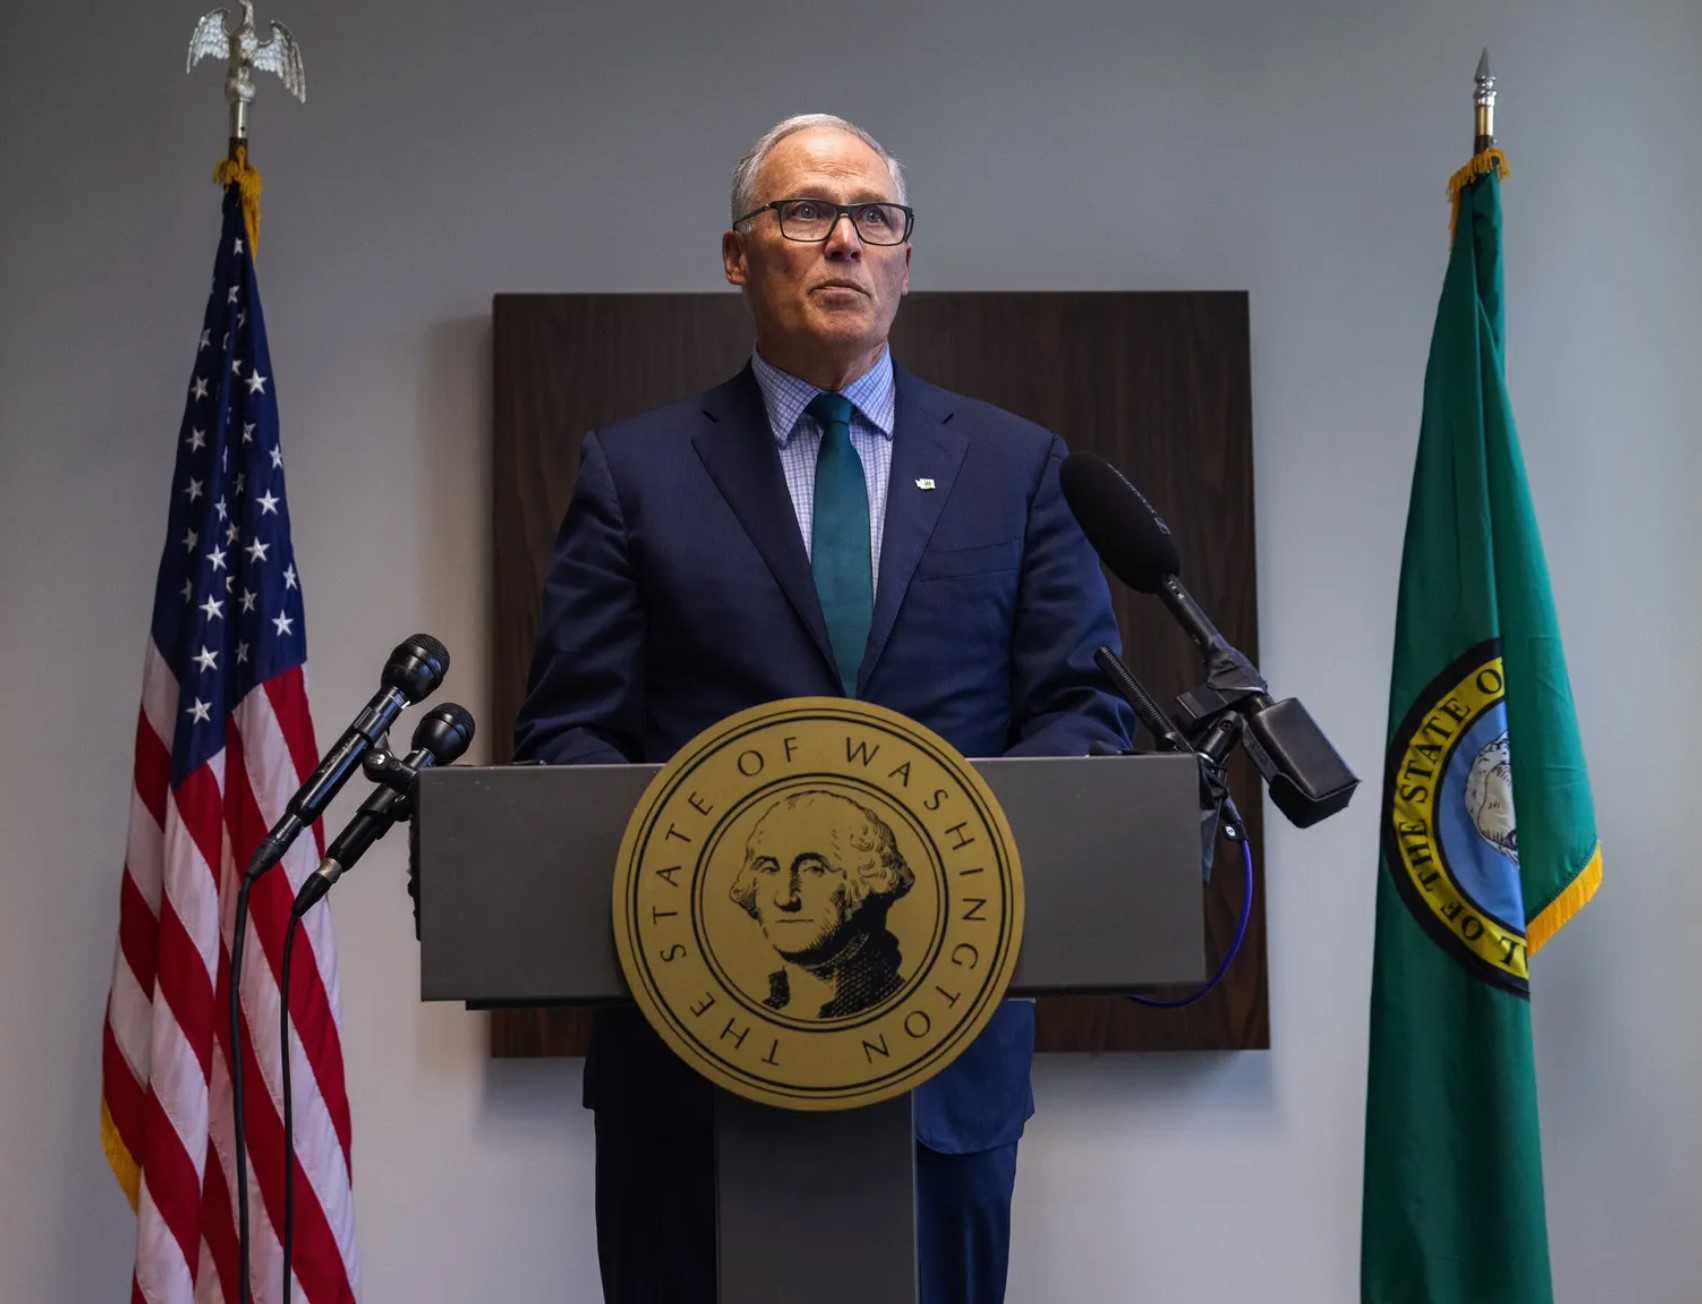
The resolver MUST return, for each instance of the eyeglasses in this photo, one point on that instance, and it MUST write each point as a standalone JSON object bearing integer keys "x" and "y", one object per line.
{"x": 811, "y": 221}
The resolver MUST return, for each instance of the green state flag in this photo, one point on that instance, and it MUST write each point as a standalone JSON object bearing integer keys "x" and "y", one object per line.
{"x": 1480, "y": 717}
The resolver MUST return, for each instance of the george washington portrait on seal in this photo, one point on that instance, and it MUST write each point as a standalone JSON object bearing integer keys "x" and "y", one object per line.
{"x": 820, "y": 873}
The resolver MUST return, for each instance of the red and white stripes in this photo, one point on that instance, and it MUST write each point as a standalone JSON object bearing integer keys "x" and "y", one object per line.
{"x": 166, "y": 1082}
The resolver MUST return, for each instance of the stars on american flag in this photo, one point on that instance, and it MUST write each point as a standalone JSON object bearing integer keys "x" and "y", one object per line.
{"x": 230, "y": 521}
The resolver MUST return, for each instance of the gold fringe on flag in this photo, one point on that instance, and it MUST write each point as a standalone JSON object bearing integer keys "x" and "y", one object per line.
{"x": 234, "y": 171}
{"x": 1491, "y": 160}
{"x": 1573, "y": 898}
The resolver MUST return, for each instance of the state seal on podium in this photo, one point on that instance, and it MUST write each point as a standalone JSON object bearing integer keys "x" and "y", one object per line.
{"x": 818, "y": 903}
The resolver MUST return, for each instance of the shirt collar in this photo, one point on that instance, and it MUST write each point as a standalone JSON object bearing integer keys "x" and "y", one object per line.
{"x": 786, "y": 397}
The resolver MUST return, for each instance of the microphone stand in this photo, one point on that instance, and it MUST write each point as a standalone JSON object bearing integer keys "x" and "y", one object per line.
{"x": 1211, "y": 748}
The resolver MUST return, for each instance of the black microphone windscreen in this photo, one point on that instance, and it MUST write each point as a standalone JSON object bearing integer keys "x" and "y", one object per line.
{"x": 416, "y": 667}
{"x": 445, "y": 731}
{"x": 1129, "y": 536}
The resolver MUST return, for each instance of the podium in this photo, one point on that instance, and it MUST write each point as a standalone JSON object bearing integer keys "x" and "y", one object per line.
{"x": 516, "y": 866}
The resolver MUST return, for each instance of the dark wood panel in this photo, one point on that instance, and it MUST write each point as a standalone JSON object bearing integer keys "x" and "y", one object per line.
{"x": 564, "y": 365}
{"x": 1157, "y": 383}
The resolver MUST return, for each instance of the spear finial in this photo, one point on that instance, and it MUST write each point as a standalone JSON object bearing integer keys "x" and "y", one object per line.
{"x": 1484, "y": 100}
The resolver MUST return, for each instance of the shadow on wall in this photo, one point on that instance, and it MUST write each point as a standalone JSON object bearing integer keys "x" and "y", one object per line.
{"x": 452, "y": 424}
{"x": 1237, "y": 1086}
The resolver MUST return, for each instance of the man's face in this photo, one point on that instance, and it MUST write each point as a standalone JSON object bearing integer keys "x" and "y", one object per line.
{"x": 836, "y": 298}
{"x": 802, "y": 897}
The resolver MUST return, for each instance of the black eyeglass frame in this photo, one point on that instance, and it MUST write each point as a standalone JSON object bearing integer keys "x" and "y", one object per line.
{"x": 839, "y": 211}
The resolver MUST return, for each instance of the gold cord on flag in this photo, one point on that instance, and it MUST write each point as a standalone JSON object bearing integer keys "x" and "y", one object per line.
{"x": 234, "y": 171}
{"x": 124, "y": 1166}
{"x": 1491, "y": 160}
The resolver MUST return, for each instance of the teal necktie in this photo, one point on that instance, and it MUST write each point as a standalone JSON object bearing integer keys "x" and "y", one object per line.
{"x": 839, "y": 538}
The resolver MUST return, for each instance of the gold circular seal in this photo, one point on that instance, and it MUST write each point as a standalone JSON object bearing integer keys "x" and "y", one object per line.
{"x": 818, "y": 903}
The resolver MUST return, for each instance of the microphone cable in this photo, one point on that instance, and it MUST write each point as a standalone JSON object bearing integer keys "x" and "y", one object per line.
{"x": 1153, "y": 1003}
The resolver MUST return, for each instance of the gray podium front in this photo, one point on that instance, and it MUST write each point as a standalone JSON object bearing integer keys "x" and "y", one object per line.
{"x": 516, "y": 883}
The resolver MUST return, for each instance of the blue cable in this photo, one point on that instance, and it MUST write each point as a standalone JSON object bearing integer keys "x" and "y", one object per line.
{"x": 1234, "y": 947}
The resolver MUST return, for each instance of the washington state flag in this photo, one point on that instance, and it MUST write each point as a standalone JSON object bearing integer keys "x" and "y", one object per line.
{"x": 1487, "y": 829}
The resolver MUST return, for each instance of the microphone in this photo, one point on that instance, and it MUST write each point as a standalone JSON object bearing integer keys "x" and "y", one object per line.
{"x": 1308, "y": 779}
{"x": 1129, "y": 536}
{"x": 441, "y": 738}
{"x": 415, "y": 668}
{"x": 1132, "y": 539}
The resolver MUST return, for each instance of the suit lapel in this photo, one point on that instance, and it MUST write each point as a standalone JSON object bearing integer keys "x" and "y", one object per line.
{"x": 925, "y": 447}
{"x": 737, "y": 449}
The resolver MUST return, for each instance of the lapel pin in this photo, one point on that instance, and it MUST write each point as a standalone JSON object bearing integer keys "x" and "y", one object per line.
{"x": 924, "y": 484}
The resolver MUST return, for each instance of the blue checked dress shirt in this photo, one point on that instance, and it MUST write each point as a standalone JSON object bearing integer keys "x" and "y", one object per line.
{"x": 798, "y": 436}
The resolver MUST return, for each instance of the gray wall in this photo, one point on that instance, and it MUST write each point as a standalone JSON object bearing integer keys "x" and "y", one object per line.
{"x": 447, "y": 151}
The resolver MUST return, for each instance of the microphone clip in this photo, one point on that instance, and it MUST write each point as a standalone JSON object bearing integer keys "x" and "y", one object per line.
{"x": 383, "y": 766}
{"x": 1210, "y": 747}
{"x": 1231, "y": 682}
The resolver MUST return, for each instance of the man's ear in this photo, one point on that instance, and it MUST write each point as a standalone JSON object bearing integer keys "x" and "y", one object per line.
{"x": 733, "y": 259}
{"x": 905, "y": 288}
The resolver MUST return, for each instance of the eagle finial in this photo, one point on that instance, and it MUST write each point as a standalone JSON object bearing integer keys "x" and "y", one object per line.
{"x": 245, "y": 52}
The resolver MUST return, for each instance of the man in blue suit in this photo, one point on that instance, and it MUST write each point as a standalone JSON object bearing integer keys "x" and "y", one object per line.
{"x": 823, "y": 523}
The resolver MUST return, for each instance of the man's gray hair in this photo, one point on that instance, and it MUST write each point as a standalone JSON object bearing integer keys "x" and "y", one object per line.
{"x": 744, "y": 176}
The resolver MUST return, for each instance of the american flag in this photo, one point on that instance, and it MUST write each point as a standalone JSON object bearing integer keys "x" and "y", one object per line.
{"x": 223, "y": 739}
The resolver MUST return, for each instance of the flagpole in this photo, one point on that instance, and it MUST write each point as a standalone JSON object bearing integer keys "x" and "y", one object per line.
{"x": 244, "y": 54}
